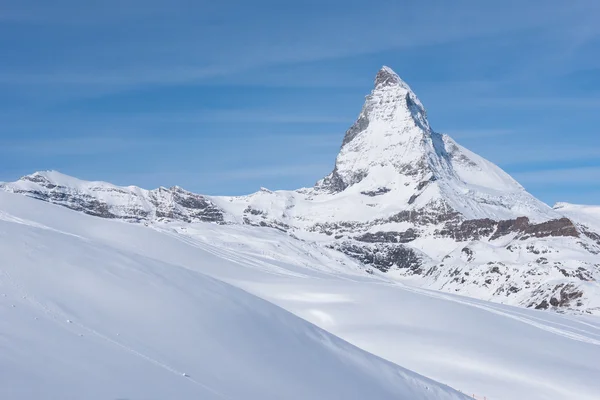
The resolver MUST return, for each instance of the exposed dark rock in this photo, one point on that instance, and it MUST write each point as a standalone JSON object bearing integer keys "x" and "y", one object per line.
{"x": 473, "y": 229}
{"x": 388, "y": 237}
{"x": 532, "y": 249}
{"x": 378, "y": 192}
{"x": 359, "y": 126}
{"x": 332, "y": 183}
{"x": 268, "y": 224}
{"x": 253, "y": 211}
{"x": 543, "y": 305}
{"x": 562, "y": 297}
{"x": 591, "y": 248}
{"x": 468, "y": 252}
{"x": 432, "y": 214}
{"x": 194, "y": 207}
{"x": 382, "y": 256}
{"x": 183, "y": 205}
{"x": 506, "y": 227}
{"x": 592, "y": 235}
{"x": 477, "y": 229}
{"x": 513, "y": 289}
{"x": 555, "y": 227}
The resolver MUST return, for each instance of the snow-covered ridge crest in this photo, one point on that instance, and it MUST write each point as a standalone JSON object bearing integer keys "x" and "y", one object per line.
{"x": 106, "y": 200}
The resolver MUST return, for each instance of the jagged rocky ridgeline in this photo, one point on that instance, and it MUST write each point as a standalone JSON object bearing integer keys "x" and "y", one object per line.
{"x": 402, "y": 199}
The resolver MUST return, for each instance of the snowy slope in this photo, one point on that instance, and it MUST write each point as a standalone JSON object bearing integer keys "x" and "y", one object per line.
{"x": 155, "y": 302}
{"x": 83, "y": 319}
{"x": 583, "y": 214}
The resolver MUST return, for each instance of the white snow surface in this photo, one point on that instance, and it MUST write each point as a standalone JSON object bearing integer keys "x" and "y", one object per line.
{"x": 587, "y": 215}
{"x": 175, "y": 310}
{"x": 100, "y": 309}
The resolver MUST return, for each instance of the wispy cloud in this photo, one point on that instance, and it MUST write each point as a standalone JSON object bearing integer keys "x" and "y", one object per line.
{"x": 461, "y": 134}
{"x": 119, "y": 123}
{"x": 267, "y": 172}
{"x": 73, "y": 146}
{"x": 176, "y": 54}
{"x": 539, "y": 102}
{"x": 516, "y": 153}
{"x": 588, "y": 176}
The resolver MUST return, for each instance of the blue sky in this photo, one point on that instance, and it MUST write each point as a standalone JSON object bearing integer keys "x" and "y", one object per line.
{"x": 224, "y": 97}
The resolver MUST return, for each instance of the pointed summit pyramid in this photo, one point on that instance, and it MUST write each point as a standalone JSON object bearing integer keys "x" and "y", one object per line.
{"x": 391, "y": 149}
{"x": 391, "y": 100}
{"x": 391, "y": 136}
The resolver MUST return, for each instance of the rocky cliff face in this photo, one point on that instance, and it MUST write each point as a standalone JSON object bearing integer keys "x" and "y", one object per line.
{"x": 402, "y": 199}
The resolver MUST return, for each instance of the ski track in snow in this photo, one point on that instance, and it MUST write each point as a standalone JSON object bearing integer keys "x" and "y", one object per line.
{"x": 60, "y": 317}
{"x": 11, "y": 218}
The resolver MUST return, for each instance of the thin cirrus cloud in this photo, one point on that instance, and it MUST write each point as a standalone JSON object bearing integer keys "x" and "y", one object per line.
{"x": 272, "y": 171}
{"x": 539, "y": 102}
{"x": 72, "y": 146}
{"x": 523, "y": 151}
{"x": 178, "y": 58}
{"x": 463, "y": 134}
{"x": 587, "y": 176}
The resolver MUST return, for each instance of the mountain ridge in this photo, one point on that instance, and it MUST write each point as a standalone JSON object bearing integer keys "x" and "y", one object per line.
{"x": 402, "y": 199}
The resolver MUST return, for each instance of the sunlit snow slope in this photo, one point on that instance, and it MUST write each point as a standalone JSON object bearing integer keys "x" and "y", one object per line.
{"x": 82, "y": 318}
{"x": 99, "y": 308}
{"x": 584, "y": 214}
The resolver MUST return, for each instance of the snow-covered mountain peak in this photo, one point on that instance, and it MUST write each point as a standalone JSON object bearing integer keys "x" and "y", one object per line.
{"x": 52, "y": 179}
{"x": 391, "y": 135}
{"x": 391, "y": 149}
{"x": 387, "y": 77}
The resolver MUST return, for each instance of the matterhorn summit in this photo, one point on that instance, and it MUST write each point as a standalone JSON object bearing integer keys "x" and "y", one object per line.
{"x": 389, "y": 136}
{"x": 401, "y": 199}
{"x": 391, "y": 149}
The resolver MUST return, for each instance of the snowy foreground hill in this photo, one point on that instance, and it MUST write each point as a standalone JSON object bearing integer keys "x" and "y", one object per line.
{"x": 405, "y": 262}
{"x": 401, "y": 199}
{"x": 103, "y": 309}
{"x": 87, "y": 313}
